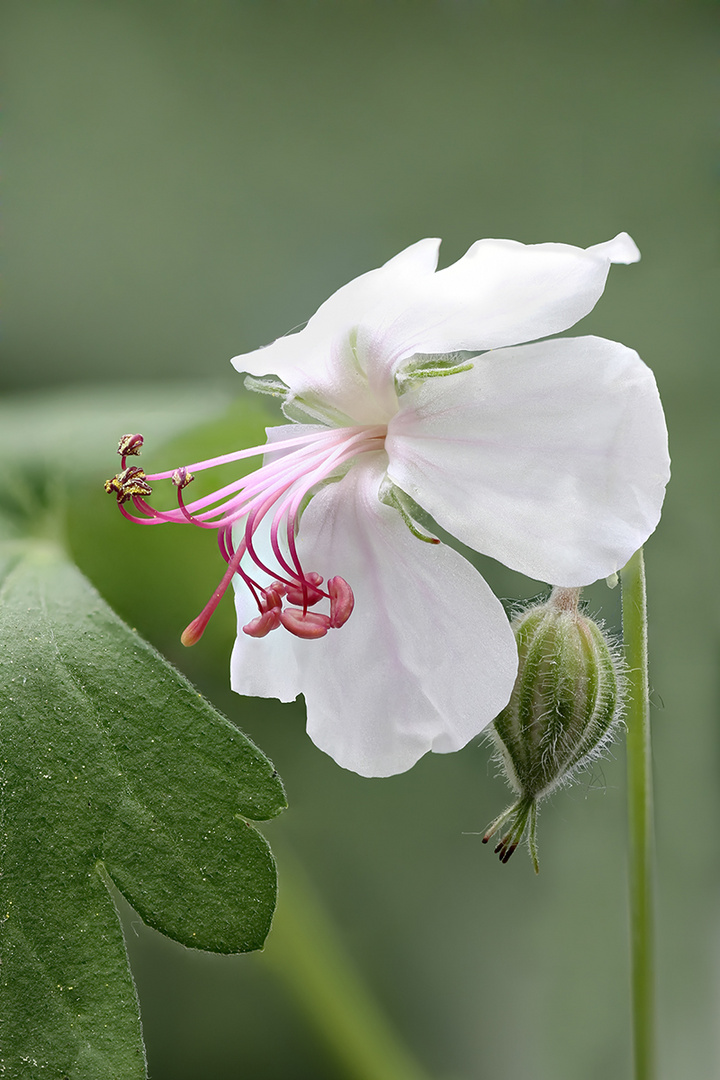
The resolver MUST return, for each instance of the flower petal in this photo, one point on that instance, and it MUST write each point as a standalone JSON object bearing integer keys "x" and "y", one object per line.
{"x": 318, "y": 360}
{"x": 262, "y": 667}
{"x": 427, "y": 658}
{"x": 621, "y": 249}
{"x": 499, "y": 293}
{"x": 550, "y": 457}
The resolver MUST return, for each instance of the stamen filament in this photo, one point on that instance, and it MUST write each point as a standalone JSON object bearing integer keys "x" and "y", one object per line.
{"x": 257, "y": 451}
{"x": 257, "y": 478}
{"x": 279, "y": 485}
{"x": 291, "y": 505}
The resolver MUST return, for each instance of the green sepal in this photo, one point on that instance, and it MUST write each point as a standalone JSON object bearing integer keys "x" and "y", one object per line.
{"x": 267, "y": 384}
{"x": 562, "y": 713}
{"x": 408, "y": 509}
{"x": 431, "y": 366}
{"x": 564, "y": 704}
{"x": 311, "y": 409}
{"x": 520, "y": 816}
{"x": 307, "y": 408}
{"x": 300, "y": 409}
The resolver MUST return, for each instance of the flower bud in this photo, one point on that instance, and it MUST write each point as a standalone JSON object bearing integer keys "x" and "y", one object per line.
{"x": 561, "y": 714}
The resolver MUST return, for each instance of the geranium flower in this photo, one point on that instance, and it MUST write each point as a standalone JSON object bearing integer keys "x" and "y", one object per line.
{"x": 550, "y": 457}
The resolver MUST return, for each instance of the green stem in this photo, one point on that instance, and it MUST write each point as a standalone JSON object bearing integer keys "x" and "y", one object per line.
{"x": 640, "y": 818}
{"x": 305, "y": 951}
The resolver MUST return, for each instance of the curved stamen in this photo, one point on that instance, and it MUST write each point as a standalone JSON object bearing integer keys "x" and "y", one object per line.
{"x": 256, "y": 480}
{"x": 279, "y": 485}
{"x": 253, "y": 521}
{"x": 290, "y": 507}
{"x": 257, "y": 451}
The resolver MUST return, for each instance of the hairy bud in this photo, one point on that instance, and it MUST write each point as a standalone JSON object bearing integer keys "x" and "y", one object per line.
{"x": 562, "y": 712}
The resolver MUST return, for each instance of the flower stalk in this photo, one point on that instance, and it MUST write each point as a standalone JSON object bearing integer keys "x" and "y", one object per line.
{"x": 640, "y": 818}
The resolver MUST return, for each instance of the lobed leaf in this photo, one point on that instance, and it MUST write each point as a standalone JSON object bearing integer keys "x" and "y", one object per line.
{"x": 112, "y": 768}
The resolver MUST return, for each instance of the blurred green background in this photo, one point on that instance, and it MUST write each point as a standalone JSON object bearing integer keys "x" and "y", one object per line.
{"x": 188, "y": 180}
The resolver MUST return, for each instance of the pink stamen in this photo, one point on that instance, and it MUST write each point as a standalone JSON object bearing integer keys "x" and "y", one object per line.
{"x": 256, "y": 451}
{"x": 279, "y": 485}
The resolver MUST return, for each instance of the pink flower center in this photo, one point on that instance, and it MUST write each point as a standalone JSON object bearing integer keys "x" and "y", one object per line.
{"x": 282, "y": 589}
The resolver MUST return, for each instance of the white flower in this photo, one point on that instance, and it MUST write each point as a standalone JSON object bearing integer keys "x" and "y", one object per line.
{"x": 550, "y": 457}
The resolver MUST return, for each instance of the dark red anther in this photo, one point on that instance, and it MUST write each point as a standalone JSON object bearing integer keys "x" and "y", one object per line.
{"x": 305, "y": 624}
{"x": 181, "y": 477}
{"x": 128, "y": 484}
{"x": 129, "y": 445}
{"x": 342, "y": 601}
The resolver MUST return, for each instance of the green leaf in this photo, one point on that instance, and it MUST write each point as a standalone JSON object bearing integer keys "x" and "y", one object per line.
{"x": 112, "y": 768}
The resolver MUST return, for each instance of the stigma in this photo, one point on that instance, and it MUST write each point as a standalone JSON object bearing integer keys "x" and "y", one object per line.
{"x": 287, "y": 596}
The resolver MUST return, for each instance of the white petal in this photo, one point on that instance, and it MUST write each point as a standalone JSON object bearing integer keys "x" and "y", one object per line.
{"x": 550, "y": 457}
{"x": 318, "y": 360}
{"x": 500, "y": 293}
{"x": 621, "y": 249}
{"x": 262, "y": 667}
{"x": 427, "y": 658}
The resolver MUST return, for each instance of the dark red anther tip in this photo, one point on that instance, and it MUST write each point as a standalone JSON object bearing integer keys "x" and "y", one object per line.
{"x": 130, "y": 445}
{"x": 181, "y": 477}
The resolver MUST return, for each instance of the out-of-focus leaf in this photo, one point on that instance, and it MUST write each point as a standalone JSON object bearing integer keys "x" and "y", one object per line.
{"x": 111, "y": 767}
{"x": 76, "y": 428}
